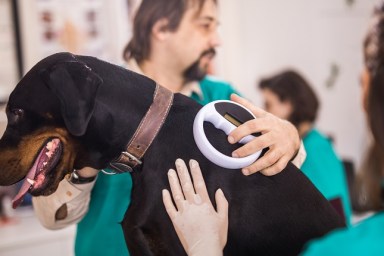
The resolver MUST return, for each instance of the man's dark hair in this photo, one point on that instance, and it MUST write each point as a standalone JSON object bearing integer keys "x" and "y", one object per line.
{"x": 291, "y": 86}
{"x": 148, "y": 13}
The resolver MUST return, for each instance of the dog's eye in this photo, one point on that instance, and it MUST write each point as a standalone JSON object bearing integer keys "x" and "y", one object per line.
{"x": 15, "y": 115}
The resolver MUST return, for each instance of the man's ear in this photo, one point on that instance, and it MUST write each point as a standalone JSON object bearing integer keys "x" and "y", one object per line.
{"x": 160, "y": 29}
{"x": 76, "y": 86}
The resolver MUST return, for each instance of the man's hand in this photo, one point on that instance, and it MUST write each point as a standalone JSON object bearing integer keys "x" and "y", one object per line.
{"x": 279, "y": 135}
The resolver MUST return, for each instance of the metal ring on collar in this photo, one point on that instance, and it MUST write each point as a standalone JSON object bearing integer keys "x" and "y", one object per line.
{"x": 108, "y": 172}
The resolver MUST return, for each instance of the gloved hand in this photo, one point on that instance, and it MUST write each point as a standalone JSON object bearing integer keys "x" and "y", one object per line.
{"x": 201, "y": 229}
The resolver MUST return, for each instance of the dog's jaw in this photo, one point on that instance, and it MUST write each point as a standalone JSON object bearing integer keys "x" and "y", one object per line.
{"x": 45, "y": 162}
{"x": 42, "y": 159}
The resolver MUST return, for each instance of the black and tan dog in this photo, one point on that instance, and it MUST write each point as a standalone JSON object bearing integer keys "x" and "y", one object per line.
{"x": 73, "y": 111}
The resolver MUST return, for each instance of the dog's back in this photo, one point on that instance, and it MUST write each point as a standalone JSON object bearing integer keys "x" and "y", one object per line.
{"x": 267, "y": 215}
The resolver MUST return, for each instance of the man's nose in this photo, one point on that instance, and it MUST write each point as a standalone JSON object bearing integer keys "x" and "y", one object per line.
{"x": 215, "y": 39}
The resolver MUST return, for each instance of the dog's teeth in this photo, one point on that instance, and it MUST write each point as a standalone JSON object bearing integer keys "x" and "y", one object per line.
{"x": 45, "y": 163}
{"x": 31, "y": 181}
{"x": 49, "y": 145}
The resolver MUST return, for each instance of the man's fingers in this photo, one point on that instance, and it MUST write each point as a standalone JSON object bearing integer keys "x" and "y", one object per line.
{"x": 243, "y": 130}
{"x": 259, "y": 125}
{"x": 258, "y": 143}
{"x": 276, "y": 168}
{"x": 169, "y": 207}
{"x": 270, "y": 158}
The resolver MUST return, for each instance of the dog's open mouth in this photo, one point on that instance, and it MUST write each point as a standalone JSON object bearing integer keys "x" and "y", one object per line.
{"x": 36, "y": 177}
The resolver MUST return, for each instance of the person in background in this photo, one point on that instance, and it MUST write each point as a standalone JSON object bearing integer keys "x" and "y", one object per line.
{"x": 289, "y": 96}
{"x": 366, "y": 238}
{"x": 173, "y": 43}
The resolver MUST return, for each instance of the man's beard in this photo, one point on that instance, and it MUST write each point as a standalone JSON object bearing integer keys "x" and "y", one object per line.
{"x": 196, "y": 72}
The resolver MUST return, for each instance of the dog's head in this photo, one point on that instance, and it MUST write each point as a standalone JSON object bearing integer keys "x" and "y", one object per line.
{"x": 48, "y": 113}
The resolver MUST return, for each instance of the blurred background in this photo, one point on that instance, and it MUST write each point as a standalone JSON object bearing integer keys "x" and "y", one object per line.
{"x": 323, "y": 39}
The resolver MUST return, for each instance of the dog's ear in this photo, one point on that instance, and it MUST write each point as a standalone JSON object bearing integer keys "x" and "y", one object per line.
{"x": 76, "y": 86}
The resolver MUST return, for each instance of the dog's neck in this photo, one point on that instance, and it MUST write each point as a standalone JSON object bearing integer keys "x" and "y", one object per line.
{"x": 122, "y": 100}
{"x": 145, "y": 132}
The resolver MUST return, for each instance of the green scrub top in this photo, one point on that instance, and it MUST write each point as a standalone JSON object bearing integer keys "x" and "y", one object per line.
{"x": 366, "y": 238}
{"x": 325, "y": 170}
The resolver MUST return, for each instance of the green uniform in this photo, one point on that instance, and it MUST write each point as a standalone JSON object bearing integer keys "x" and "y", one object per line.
{"x": 325, "y": 170}
{"x": 367, "y": 238}
{"x": 100, "y": 232}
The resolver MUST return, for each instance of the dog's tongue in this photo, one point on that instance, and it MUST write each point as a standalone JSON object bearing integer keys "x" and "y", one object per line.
{"x": 26, "y": 185}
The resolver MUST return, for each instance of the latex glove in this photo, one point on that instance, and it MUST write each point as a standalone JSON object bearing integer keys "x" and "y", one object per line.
{"x": 279, "y": 135}
{"x": 201, "y": 230}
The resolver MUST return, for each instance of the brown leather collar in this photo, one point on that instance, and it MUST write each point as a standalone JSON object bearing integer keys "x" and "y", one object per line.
{"x": 146, "y": 132}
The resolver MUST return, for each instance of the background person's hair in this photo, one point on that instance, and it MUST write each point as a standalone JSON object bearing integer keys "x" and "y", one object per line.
{"x": 290, "y": 86}
{"x": 374, "y": 62}
{"x": 368, "y": 191}
{"x": 148, "y": 13}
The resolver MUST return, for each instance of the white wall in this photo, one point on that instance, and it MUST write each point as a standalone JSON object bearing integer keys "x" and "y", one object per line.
{"x": 8, "y": 61}
{"x": 261, "y": 37}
